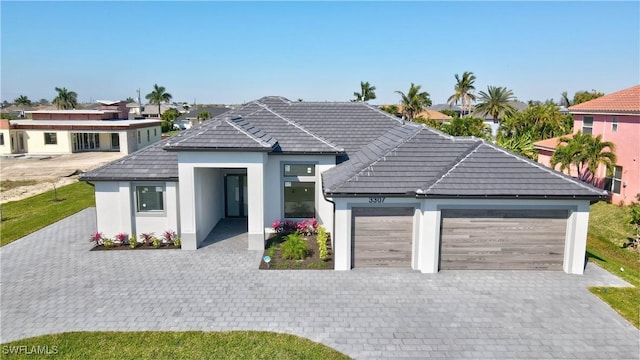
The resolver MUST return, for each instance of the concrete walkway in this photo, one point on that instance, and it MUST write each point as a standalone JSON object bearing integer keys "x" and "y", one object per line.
{"x": 51, "y": 283}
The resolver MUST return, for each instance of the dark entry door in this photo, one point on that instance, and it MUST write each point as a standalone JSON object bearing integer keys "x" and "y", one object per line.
{"x": 235, "y": 194}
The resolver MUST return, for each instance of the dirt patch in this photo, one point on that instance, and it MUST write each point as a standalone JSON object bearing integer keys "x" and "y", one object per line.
{"x": 48, "y": 170}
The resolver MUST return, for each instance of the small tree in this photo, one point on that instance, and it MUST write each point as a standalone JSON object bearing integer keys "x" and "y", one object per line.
{"x": 204, "y": 116}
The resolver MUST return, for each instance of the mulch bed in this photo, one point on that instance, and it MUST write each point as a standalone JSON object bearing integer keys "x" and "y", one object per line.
{"x": 311, "y": 262}
{"x": 139, "y": 247}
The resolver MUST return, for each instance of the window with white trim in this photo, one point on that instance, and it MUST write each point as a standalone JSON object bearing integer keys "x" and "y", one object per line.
{"x": 614, "y": 183}
{"x": 150, "y": 198}
{"x": 299, "y": 190}
{"x": 587, "y": 125}
{"x": 1, "y": 139}
{"x": 614, "y": 124}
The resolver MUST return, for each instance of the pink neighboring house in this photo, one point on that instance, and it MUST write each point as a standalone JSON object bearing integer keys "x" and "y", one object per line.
{"x": 617, "y": 118}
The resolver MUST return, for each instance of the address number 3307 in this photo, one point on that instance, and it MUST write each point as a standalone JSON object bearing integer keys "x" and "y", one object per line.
{"x": 376, "y": 200}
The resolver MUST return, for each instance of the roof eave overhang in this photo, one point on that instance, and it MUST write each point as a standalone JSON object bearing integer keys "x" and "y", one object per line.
{"x": 454, "y": 196}
{"x": 182, "y": 148}
{"x": 605, "y": 112}
{"x": 121, "y": 178}
{"x": 308, "y": 153}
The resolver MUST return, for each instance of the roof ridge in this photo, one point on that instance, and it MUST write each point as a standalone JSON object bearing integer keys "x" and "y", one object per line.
{"x": 384, "y": 112}
{"x": 251, "y": 136}
{"x": 300, "y": 127}
{"x": 386, "y": 153}
{"x": 193, "y": 132}
{"x": 459, "y": 160}
{"x": 540, "y": 166}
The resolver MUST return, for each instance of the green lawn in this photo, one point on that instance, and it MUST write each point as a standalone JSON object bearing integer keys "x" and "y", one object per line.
{"x": 608, "y": 229}
{"x": 20, "y": 218}
{"x": 172, "y": 345}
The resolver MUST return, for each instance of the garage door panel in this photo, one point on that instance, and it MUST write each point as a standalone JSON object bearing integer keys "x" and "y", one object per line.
{"x": 502, "y": 239}
{"x": 382, "y": 236}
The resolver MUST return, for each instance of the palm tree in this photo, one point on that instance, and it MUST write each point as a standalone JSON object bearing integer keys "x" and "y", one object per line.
{"x": 367, "y": 92}
{"x": 495, "y": 102}
{"x": 585, "y": 153}
{"x": 564, "y": 100}
{"x": 158, "y": 96}
{"x": 414, "y": 101}
{"x": 464, "y": 90}
{"x": 22, "y": 101}
{"x": 66, "y": 99}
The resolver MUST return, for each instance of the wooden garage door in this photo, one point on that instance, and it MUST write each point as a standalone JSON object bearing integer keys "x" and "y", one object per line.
{"x": 382, "y": 236}
{"x": 503, "y": 239}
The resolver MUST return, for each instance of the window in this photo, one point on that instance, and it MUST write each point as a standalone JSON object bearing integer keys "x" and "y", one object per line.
{"x": 148, "y": 135}
{"x": 155, "y": 132}
{"x": 150, "y": 198}
{"x": 299, "y": 189}
{"x": 139, "y": 140}
{"x": 50, "y": 138}
{"x": 587, "y": 125}
{"x": 1, "y": 139}
{"x": 614, "y": 183}
{"x": 614, "y": 124}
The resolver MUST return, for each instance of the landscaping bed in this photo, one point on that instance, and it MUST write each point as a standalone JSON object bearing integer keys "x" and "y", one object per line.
{"x": 138, "y": 247}
{"x": 298, "y": 245}
{"x": 311, "y": 261}
{"x": 147, "y": 241}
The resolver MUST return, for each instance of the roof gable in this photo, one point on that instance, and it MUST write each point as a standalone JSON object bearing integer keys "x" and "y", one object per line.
{"x": 624, "y": 101}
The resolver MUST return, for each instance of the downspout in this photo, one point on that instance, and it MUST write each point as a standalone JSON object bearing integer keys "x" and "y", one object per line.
{"x": 333, "y": 215}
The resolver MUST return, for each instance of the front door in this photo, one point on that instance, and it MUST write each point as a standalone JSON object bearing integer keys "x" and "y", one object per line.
{"x": 235, "y": 193}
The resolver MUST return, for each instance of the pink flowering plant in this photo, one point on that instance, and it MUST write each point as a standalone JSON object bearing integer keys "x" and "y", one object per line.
{"x": 304, "y": 227}
{"x": 122, "y": 238}
{"x": 146, "y": 237}
{"x": 168, "y": 236}
{"x": 97, "y": 237}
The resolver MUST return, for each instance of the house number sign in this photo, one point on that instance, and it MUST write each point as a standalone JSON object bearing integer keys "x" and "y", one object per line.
{"x": 376, "y": 200}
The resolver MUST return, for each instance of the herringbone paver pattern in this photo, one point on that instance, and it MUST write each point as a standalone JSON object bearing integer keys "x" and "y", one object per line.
{"x": 52, "y": 283}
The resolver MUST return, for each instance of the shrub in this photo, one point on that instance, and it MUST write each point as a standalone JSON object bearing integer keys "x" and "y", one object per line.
{"x": 97, "y": 237}
{"x": 294, "y": 247}
{"x": 177, "y": 242}
{"x": 133, "y": 242}
{"x": 272, "y": 251}
{"x": 322, "y": 243}
{"x": 156, "y": 242}
{"x": 108, "y": 243}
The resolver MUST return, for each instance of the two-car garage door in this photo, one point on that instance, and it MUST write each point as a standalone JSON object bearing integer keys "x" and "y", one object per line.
{"x": 497, "y": 239}
{"x": 503, "y": 239}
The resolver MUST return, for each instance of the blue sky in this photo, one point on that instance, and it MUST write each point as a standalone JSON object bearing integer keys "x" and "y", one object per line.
{"x": 217, "y": 52}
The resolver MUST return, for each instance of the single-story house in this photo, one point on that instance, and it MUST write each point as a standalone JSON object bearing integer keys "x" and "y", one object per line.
{"x": 391, "y": 193}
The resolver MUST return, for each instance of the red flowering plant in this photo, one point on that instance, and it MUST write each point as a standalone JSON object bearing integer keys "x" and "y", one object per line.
{"x": 97, "y": 237}
{"x": 122, "y": 238}
{"x": 146, "y": 238}
{"x": 168, "y": 236}
{"x": 305, "y": 227}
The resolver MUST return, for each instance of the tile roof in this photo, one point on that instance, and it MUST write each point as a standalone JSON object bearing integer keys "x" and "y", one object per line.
{"x": 425, "y": 162}
{"x": 624, "y": 101}
{"x": 212, "y": 110}
{"x": 550, "y": 144}
{"x": 150, "y": 163}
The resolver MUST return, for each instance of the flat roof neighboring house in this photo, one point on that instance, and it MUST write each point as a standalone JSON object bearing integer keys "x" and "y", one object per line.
{"x": 68, "y": 131}
{"x": 391, "y": 193}
{"x": 616, "y": 117}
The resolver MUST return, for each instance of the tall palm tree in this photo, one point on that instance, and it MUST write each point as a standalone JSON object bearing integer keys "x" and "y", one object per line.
{"x": 22, "y": 101}
{"x": 367, "y": 92}
{"x": 464, "y": 90}
{"x": 66, "y": 99}
{"x": 586, "y": 153}
{"x": 414, "y": 101}
{"x": 495, "y": 102}
{"x": 158, "y": 96}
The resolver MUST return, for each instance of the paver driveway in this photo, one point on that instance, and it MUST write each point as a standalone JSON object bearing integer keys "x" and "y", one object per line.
{"x": 52, "y": 283}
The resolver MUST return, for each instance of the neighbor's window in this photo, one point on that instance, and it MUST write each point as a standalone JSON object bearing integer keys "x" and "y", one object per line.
{"x": 155, "y": 132}
{"x": 1, "y": 139}
{"x": 139, "y": 140}
{"x": 614, "y": 124}
{"x": 616, "y": 180}
{"x": 148, "y": 135}
{"x": 299, "y": 189}
{"x": 150, "y": 198}
{"x": 587, "y": 125}
{"x": 50, "y": 138}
